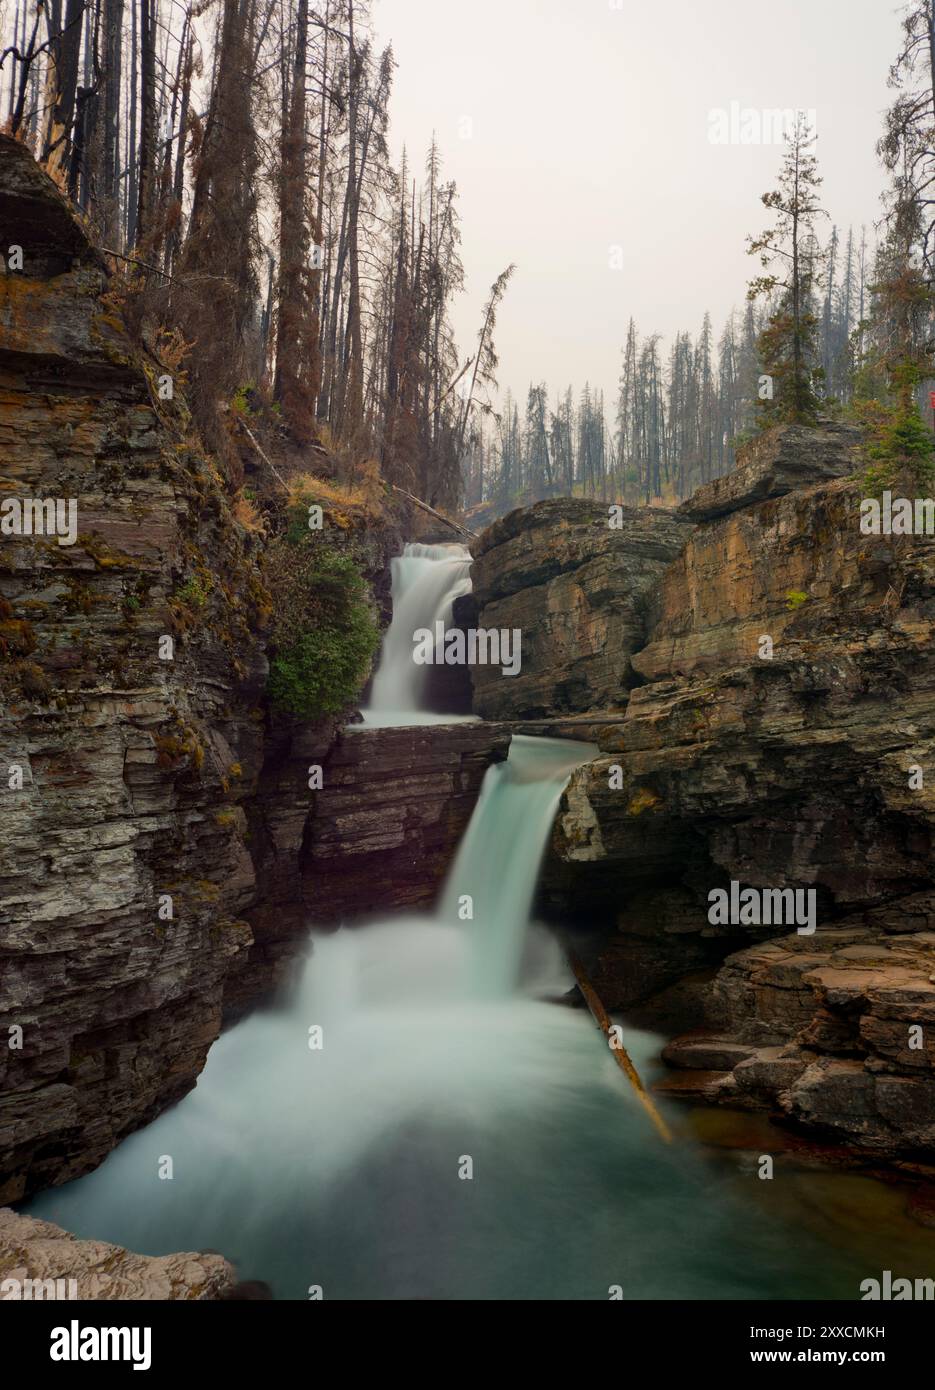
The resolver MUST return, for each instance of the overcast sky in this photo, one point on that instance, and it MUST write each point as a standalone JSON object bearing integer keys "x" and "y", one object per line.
{"x": 576, "y": 126}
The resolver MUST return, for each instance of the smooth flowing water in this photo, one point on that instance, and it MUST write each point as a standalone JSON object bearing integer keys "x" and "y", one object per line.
{"x": 414, "y": 1122}
{"x": 426, "y": 581}
{"x": 496, "y": 868}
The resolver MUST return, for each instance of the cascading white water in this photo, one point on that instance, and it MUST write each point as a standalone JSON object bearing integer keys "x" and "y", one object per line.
{"x": 415, "y": 1123}
{"x": 497, "y": 864}
{"x": 426, "y": 580}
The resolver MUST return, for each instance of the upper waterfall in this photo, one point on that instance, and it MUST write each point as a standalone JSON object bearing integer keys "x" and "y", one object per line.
{"x": 426, "y": 581}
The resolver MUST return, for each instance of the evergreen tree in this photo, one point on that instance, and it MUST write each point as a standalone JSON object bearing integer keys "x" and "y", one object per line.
{"x": 788, "y": 250}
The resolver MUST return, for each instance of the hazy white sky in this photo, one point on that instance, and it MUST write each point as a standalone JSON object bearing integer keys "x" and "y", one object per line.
{"x": 575, "y": 126}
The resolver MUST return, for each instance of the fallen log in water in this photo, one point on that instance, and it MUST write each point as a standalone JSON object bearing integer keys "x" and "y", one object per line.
{"x": 618, "y": 1051}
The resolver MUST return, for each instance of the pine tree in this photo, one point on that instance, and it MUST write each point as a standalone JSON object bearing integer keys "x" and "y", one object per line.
{"x": 484, "y": 377}
{"x": 788, "y": 345}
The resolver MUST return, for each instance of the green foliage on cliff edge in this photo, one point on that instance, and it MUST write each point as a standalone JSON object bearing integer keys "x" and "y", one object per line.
{"x": 324, "y": 635}
{"x": 899, "y": 446}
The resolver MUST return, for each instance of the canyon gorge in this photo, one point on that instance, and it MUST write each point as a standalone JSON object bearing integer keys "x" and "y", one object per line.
{"x": 709, "y": 759}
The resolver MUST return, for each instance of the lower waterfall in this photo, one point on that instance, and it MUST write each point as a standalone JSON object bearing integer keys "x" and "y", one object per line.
{"x": 414, "y": 1122}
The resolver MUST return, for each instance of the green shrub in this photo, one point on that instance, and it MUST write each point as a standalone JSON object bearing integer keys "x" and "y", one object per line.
{"x": 742, "y": 439}
{"x": 240, "y": 401}
{"x": 324, "y": 635}
{"x": 194, "y": 592}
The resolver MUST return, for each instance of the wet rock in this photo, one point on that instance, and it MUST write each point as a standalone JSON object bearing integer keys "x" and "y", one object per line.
{"x": 840, "y": 1039}
{"x": 782, "y": 771}
{"x": 697, "y": 1086}
{"x": 706, "y": 1053}
{"x": 767, "y": 1071}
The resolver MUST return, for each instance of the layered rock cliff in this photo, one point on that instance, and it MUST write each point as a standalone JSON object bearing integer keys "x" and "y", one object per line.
{"x": 129, "y": 722}
{"x": 158, "y": 870}
{"x": 785, "y": 763}
{"x": 394, "y": 807}
{"x": 576, "y": 588}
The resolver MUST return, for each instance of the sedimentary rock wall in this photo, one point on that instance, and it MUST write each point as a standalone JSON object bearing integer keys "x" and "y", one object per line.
{"x": 784, "y": 764}
{"x": 121, "y": 771}
{"x": 154, "y": 816}
{"x": 391, "y": 814}
{"x": 796, "y": 763}
{"x": 576, "y": 590}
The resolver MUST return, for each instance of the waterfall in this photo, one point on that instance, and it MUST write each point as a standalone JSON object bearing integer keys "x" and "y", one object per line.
{"x": 497, "y": 864}
{"x": 414, "y": 1122}
{"x": 426, "y": 580}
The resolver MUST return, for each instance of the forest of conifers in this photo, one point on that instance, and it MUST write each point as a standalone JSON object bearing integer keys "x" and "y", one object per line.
{"x": 231, "y": 157}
